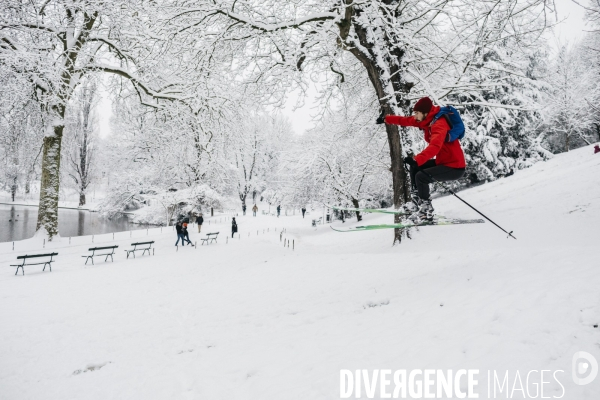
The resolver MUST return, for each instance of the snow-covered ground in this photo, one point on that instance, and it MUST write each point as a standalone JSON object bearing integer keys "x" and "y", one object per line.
{"x": 250, "y": 319}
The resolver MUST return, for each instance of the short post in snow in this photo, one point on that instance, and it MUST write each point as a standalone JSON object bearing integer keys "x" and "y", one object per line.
{"x": 129, "y": 233}
{"x": 69, "y": 239}
{"x": 113, "y": 236}
{"x": 13, "y": 246}
{"x": 44, "y": 245}
{"x": 293, "y": 244}
{"x": 92, "y": 238}
{"x": 196, "y": 244}
{"x": 227, "y": 239}
{"x": 146, "y": 232}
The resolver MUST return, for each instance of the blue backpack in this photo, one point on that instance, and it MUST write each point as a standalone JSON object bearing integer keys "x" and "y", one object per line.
{"x": 457, "y": 127}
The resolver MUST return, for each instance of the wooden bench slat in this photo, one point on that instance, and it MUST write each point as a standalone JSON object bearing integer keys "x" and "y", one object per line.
{"x": 102, "y": 248}
{"x": 36, "y": 255}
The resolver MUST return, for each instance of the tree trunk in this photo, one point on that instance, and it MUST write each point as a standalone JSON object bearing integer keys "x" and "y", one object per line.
{"x": 81, "y": 199}
{"x": 356, "y": 205}
{"x": 49, "y": 189}
{"x": 13, "y": 189}
{"x": 399, "y": 177}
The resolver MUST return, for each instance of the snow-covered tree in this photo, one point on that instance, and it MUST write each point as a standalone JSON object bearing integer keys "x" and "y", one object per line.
{"x": 404, "y": 46}
{"x": 21, "y": 123}
{"x": 344, "y": 160}
{"x": 253, "y": 149}
{"x": 570, "y": 118}
{"x": 80, "y": 135}
{"x": 53, "y": 44}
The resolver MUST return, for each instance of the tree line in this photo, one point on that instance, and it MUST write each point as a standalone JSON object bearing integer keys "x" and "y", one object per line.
{"x": 195, "y": 87}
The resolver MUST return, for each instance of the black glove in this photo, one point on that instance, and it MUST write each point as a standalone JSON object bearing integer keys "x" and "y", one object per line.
{"x": 410, "y": 161}
{"x": 381, "y": 118}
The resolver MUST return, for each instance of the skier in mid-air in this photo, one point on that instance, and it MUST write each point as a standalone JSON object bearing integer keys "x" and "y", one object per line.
{"x": 448, "y": 164}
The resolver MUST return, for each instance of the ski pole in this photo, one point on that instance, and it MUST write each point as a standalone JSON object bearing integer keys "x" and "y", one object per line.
{"x": 479, "y": 212}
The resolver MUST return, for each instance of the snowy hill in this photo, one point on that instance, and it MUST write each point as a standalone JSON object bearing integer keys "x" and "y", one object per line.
{"x": 250, "y": 319}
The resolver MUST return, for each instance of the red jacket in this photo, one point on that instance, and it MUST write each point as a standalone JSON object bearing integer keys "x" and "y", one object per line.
{"x": 448, "y": 154}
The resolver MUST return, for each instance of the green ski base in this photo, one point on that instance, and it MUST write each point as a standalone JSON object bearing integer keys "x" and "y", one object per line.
{"x": 409, "y": 225}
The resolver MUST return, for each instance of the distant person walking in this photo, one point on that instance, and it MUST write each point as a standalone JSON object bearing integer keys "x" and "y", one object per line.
{"x": 254, "y": 210}
{"x": 199, "y": 221}
{"x": 234, "y": 227}
{"x": 180, "y": 234}
{"x": 244, "y": 209}
{"x": 186, "y": 234}
{"x": 278, "y": 210}
{"x": 303, "y": 211}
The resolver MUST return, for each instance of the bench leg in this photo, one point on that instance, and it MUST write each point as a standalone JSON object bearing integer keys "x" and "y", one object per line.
{"x": 22, "y": 270}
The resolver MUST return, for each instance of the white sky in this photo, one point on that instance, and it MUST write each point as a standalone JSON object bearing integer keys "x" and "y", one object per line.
{"x": 568, "y": 31}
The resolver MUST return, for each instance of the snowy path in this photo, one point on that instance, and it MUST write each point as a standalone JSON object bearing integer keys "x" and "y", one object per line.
{"x": 251, "y": 319}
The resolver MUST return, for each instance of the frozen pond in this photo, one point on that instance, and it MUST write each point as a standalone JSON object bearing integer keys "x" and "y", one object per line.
{"x": 18, "y": 222}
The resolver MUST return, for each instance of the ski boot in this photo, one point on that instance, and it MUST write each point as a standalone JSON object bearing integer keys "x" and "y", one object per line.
{"x": 412, "y": 206}
{"x": 424, "y": 214}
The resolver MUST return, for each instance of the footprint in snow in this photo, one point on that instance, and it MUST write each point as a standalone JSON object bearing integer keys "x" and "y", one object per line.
{"x": 371, "y": 304}
{"x": 90, "y": 368}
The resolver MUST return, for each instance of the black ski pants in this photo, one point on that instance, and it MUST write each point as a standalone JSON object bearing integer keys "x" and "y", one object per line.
{"x": 420, "y": 181}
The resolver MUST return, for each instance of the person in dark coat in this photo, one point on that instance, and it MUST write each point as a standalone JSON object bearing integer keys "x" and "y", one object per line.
{"x": 180, "y": 234}
{"x": 303, "y": 211}
{"x": 244, "y": 209}
{"x": 234, "y": 228}
{"x": 278, "y": 210}
{"x": 186, "y": 234}
{"x": 199, "y": 221}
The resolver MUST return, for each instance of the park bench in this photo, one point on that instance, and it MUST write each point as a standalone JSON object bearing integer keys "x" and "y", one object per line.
{"x": 29, "y": 256}
{"x": 209, "y": 236}
{"x": 110, "y": 251}
{"x": 143, "y": 246}
{"x": 317, "y": 221}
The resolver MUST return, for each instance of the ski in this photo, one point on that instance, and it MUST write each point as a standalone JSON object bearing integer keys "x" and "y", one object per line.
{"x": 368, "y": 210}
{"x": 373, "y": 210}
{"x": 409, "y": 224}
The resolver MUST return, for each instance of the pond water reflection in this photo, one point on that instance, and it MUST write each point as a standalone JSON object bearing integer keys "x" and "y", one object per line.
{"x": 18, "y": 222}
